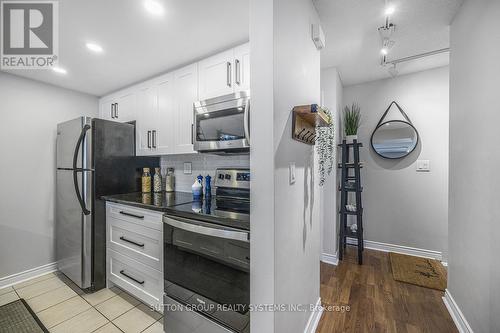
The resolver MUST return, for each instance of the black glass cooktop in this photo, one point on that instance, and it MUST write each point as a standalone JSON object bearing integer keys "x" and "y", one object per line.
{"x": 228, "y": 212}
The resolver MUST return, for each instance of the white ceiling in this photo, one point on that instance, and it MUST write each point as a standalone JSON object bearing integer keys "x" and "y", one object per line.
{"x": 353, "y": 43}
{"x": 138, "y": 45}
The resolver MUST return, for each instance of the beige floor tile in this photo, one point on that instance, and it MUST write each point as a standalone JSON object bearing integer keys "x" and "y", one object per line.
{"x": 63, "y": 311}
{"x": 7, "y": 298}
{"x": 155, "y": 328}
{"x": 109, "y": 328}
{"x": 53, "y": 297}
{"x": 147, "y": 309}
{"x": 101, "y": 295}
{"x": 39, "y": 288}
{"x": 134, "y": 321}
{"x": 6, "y": 290}
{"x": 85, "y": 322}
{"x": 70, "y": 284}
{"x": 35, "y": 280}
{"x": 116, "y": 306}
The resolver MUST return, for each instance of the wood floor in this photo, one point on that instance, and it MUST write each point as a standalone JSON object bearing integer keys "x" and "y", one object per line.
{"x": 378, "y": 303}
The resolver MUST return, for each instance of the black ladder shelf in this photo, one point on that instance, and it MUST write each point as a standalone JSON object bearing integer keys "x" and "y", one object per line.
{"x": 350, "y": 183}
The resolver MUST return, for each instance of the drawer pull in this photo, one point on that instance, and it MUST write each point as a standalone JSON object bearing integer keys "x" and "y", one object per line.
{"x": 122, "y": 272}
{"x": 132, "y": 215}
{"x": 131, "y": 242}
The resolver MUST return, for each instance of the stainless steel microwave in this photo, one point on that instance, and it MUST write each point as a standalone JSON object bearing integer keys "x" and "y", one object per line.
{"x": 222, "y": 124}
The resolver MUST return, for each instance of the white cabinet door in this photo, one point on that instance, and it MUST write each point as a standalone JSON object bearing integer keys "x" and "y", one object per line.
{"x": 186, "y": 93}
{"x": 216, "y": 75}
{"x": 163, "y": 135}
{"x": 125, "y": 107}
{"x": 147, "y": 104}
{"x": 242, "y": 67}
{"x": 105, "y": 109}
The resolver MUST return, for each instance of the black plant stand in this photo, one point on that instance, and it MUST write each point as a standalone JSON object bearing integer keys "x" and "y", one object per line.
{"x": 350, "y": 183}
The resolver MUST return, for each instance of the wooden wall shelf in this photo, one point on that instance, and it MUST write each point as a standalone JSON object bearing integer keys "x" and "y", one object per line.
{"x": 305, "y": 120}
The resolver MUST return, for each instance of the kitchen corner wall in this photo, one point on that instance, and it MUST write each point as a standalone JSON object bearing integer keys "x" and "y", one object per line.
{"x": 402, "y": 206}
{"x": 30, "y": 113}
{"x": 201, "y": 164}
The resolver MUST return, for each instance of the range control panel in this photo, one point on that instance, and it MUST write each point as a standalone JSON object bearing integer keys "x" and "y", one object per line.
{"x": 233, "y": 178}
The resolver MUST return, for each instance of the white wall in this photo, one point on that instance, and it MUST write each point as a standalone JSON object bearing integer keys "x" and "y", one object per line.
{"x": 285, "y": 249}
{"x": 30, "y": 112}
{"x": 331, "y": 98}
{"x": 402, "y": 206}
{"x": 474, "y": 227}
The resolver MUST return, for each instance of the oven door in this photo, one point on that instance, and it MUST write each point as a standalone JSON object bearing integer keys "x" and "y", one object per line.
{"x": 222, "y": 124}
{"x": 207, "y": 269}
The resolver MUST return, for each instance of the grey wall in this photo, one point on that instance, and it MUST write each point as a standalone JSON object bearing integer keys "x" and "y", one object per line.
{"x": 331, "y": 98}
{"x": 474, "y": 228}
{"x": 285, "y": 246}
{"x": 30, "y": 112}
{"x": 402, "y": 206}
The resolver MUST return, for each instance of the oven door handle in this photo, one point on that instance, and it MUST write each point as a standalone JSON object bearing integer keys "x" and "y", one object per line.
{"x": 246, "y": 124}
{"x": 202, "y": 230}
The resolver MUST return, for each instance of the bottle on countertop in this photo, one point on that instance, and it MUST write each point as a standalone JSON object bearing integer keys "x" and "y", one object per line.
{"x": 170, "y": 180}
{"x": 157, "y": 181}
{"x": 146, "y": 180}
{"x": 208, "y": 186}
{"x": 197, "y": 189}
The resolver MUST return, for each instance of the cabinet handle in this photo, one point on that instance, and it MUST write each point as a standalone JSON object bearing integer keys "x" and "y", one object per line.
{"x": 149, "y": 139}
{"x": 154, "y": 138}
{"x": 238, "y": 72}
{"x": 116, "y": 110}
{"x": 192, "y": 133}
{"x": 122, "y": 272}
{"x": 229, "y": 74}
{"x": 132, "y": 215}
{"x": 112, "y": 110}
{"x": 131, "y": 242}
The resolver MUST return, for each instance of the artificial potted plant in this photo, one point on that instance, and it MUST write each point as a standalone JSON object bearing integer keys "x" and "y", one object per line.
{"x": 352, "y": 118}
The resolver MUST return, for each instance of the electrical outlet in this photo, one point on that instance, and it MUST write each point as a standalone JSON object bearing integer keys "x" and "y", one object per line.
{"x": 423, "y": 166}
{"x": 188, "y": 168}
{"x": 291, "y": 171}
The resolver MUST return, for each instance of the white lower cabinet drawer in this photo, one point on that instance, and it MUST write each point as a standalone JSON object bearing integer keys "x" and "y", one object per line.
{"x": 141, "y": 281}
{"x": 140, "y": 243}
{"x": 143, "y": 217}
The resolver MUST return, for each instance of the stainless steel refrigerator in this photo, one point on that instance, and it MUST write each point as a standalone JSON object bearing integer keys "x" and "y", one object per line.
{"x": 95, "y": 157}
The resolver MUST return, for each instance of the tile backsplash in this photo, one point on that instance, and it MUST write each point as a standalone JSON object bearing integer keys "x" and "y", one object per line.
{"x": 201, "y": 164}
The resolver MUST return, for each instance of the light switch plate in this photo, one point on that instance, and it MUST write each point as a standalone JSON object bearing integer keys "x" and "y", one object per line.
{"x": 423, "y": 166}
{"x": 188, "y": 168}
{"x": 291, "y": 171}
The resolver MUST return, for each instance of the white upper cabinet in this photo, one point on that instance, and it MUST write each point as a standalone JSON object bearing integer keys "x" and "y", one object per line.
{"x": 163, "y": 107}
{"x": 119, "y": 107}
{"x": 186, "y": 93}
{"x": 163, "y": 130}
{"x": 147, "y": 100}
{"x": 216, "y": 75}
{"x": 242, "y": 67}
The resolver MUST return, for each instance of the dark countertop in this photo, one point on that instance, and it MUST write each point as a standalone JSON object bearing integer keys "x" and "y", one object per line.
{"x": 154, "y": 201}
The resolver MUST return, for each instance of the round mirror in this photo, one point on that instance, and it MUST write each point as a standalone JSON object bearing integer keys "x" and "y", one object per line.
{"x": 394, "y": 139}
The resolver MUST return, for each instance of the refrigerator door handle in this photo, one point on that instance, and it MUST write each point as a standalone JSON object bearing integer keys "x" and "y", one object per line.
{"x": 76, "y": 170}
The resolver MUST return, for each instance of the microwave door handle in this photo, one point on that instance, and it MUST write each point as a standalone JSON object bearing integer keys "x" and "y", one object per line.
{"x": 202, "y": 230}
{"x": 246, "y": 124}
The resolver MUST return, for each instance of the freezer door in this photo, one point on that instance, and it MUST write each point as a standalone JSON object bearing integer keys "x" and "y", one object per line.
{"x": 73, "y": 227}
{"x": 68, "y": 134}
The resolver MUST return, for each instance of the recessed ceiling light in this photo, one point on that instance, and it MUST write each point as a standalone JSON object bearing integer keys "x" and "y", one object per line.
{"x": 384, "y": 51}
{"x": 94, "y": 47}
{"x": 59, "y": 70}
{"x": 389, "y": 10}
{"x": 154, "y": 7}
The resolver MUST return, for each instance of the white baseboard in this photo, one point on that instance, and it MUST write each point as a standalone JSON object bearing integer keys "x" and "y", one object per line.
{"x": 331, "y": 259}
{"x": 312, "y": 323}
{"x": 412, "y": 251}
{"x": 456, "y": 314}
{"x": 10, "y": 280}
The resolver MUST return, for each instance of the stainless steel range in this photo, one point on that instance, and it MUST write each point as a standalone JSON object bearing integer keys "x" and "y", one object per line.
{"x": 207, "y": 259}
